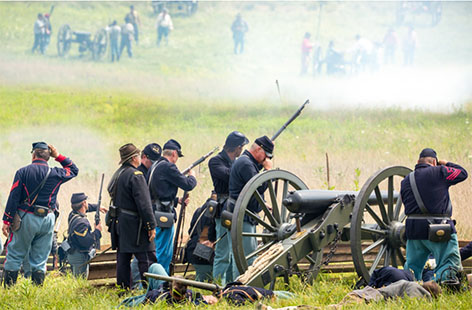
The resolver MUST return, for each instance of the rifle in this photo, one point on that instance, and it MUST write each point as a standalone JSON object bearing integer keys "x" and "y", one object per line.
{"x": 291, "y": 119}
{"x": 179, "y": 231}
{"x": 97, "y": 212}
{"x": 201, "y": 285}
{"x": 56, "y": 231}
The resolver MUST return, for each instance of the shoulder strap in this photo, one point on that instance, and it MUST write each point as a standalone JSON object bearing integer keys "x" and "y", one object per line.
{"x": 151, "y": 173}
{"x": 72, "y": 221}
{"x": 38, "y": 189}
{"x": 416, "y": 193}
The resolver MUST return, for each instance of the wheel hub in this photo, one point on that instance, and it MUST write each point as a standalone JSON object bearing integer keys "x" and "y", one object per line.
{"x": 285, "y": 231}
{"x": 396, "y": 234}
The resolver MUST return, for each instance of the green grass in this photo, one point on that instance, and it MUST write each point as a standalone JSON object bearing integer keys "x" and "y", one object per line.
{"x": 70, "y": 293}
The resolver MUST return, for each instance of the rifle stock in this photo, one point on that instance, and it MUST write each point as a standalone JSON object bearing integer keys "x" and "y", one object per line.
{"x": 97, "y": 212}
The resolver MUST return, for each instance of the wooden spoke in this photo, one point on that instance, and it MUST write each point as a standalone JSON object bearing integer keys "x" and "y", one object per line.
{"x": 285, "y": 215}
{"x": 259, "y": 220}
{"x": 375, "y": 217}
{"x": 373, "y": 246}
{"x": 402, "y": 217}
{"x": 398, "y": 208}
{"x": 390, "y": 197}
{"x": 275, "y": 205}
{"x": 400, "y": 256}
{"x": 393, "y": 257}
{"x": 260, "y": 250}
{"x": 375, "y": 231}
{"x": 387, "y": 258}
{"x": 266, "y": 210}
{"x": 378, "y": 258}
{"x": 378, "y": 195}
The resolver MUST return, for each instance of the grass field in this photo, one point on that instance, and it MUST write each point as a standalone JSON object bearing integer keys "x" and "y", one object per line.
{"x": 196, "y": 91}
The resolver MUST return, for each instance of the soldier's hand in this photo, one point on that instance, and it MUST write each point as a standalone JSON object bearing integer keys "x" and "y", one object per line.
{"x": 267, "y": 164}
{"x": 103, "y": 210}
{"x": 6, "y": 230}
{"x": 191, "y": 173}
{"x": 442, "y": 162}
{"x": 152, "y": 234}
{"x": 98, "y": 226}
{"x": 54, "y": 152}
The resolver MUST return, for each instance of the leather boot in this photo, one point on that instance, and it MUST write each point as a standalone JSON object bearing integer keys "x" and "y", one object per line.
{"x": 9, "y": 277}
{"x": 38, "y": 277}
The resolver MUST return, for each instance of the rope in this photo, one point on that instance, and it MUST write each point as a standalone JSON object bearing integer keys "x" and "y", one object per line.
{"x": 261, "y": 262}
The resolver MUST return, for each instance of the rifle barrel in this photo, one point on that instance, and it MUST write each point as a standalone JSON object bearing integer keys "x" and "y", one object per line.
{"x": 294, "y": 116}
{"x": 200, "y": 160}
{"x": 202, "y": 285}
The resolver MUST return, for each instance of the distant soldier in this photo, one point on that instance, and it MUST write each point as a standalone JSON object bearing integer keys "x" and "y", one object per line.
{"x": 28, "y": 220}
{"x": 39, "y": 30}
{"x": 127, "y": 33}
{"x": 132, "y": 220}
{"x": 220, "y": 167}
{"x": 244, "y": 168}
{"x": 135, "y": 20}
{"x": 150, "y": 154}
{"x": 80, "y": 236}
{"x": 307, "y": 46}
{"x": 47, "y": 31}
{"x": 239, "y": 29}
{"x": 164, "y": 181}
{"x": 390, "y": 44}
{"x": 115, "y": 32}
{"x": 164, "y": 26}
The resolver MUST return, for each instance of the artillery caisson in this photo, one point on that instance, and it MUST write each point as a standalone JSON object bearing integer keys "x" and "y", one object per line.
{"x": 302, "y": 222}
{"x": 97, "y": 45}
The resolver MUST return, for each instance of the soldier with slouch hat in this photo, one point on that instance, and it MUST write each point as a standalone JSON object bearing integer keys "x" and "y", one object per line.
{"x": 28, "y": 221}
{"x": 132, "y": 225}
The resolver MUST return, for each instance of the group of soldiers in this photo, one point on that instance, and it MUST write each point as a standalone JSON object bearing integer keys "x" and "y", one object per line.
{"x": 42, "y": 33}
{"x": 141, "y": 214}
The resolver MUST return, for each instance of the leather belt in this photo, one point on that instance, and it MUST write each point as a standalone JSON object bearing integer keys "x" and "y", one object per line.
{"x": 129, "y": 212}
{"x": 428, "y": 217}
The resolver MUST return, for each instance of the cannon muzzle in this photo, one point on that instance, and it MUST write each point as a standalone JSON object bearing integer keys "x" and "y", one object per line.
{"x": 317, "y": 201}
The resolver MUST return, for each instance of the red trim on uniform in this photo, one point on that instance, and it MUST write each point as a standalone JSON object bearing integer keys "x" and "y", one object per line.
{"x": 50, "y": 196}
{"x": 8, "y": 215}
{"x": 40, "y": 164}
{"x": 27, "y": 193}
{"x": 7, "y": 223}
{"x": 453, "y": 175}
{"x": 67, "y": 169}
{"x": 15, "y": 185}
{"x": 60, "y": 158}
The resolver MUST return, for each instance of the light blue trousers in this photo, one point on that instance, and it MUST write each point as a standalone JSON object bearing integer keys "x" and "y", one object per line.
{"x": 203, "y": 272}
{"x": 446, "y": 255}
{"x": 35, "y": 236}
{"x": 164, "y": 246}
{"x": 222, "y": 263}
{"x": 76, "y": 260}
{"x": 249, "y": 246}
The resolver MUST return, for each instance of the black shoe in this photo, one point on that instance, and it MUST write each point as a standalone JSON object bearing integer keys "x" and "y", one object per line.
{"x": 9, "y": 278}
{"x": 38, "y": 277}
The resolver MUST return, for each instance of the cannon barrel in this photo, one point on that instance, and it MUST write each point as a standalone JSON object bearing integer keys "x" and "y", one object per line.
{"x": 317, "y": 201}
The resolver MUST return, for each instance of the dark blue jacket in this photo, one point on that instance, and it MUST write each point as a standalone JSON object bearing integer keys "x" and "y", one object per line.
{"x": 167, "y": 179}
{"x": 81, "y": 237}
{"x": 206, "y": 224}
{"x": 243, "y": 169}
{"x": 466, "y": 251}
{"x": 28, "y": 178}
{"x": 144, "y": 170}
{"x": 388, "y": 275}
{"x": 220, "y": 168}
{"x": 433, "y": 184}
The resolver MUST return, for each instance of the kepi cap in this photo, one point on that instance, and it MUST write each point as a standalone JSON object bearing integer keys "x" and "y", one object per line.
{"x": 266, "y": 144}
{"x": 235, "y": 139}
{"x": 153, "y": 151}
{"x": 127, "y": 151}
{"x": 428, "y": 152}
{"x": 77, "y": 198}
{"x": 40, "y": 146}
{"x": 173, "y": 145}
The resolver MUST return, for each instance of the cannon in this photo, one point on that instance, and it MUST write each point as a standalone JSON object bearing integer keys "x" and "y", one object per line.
{"x": 96, "y": 46}
{"x": 300, "y": 223}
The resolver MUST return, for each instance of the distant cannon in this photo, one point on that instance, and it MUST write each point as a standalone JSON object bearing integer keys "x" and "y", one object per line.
{"x": 301, "y": 222}
{"x": 96, "y": 46}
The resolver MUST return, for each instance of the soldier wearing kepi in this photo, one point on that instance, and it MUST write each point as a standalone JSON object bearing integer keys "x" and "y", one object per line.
{"x": 28, "y": 221}
{"x": 80, "y": 236}
{"x": 244, "y": 168}
{"x": 150, "y": 154}
{"x": 132, "y": 221}
{"x": 431, "y": 205}
{"x": 164, "y": 181}
{"x": 220, "y": 167}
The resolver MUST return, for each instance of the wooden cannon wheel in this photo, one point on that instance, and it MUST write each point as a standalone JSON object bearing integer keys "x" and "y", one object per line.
{"x": 100, "y": 43}
{"x": 64, "y": 37}
{"x": 275, "y": 221}
{"x": 383, "y": 225}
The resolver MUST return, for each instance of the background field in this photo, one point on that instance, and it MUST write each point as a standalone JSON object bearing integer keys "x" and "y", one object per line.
{"x": 196, "y": 91}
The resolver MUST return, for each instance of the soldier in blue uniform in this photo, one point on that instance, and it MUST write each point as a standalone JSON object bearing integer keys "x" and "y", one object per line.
{"x": 132, "y": 224}
{"x": 164, "y": 181}
{"x": 81, "y": 238}
{"x": 31, "y": 206}
{"x": 433, "y": 179}
{"x": 220, "y": 167}
{"x": 244, "y": 168}
{"x": 150, "y": 154}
